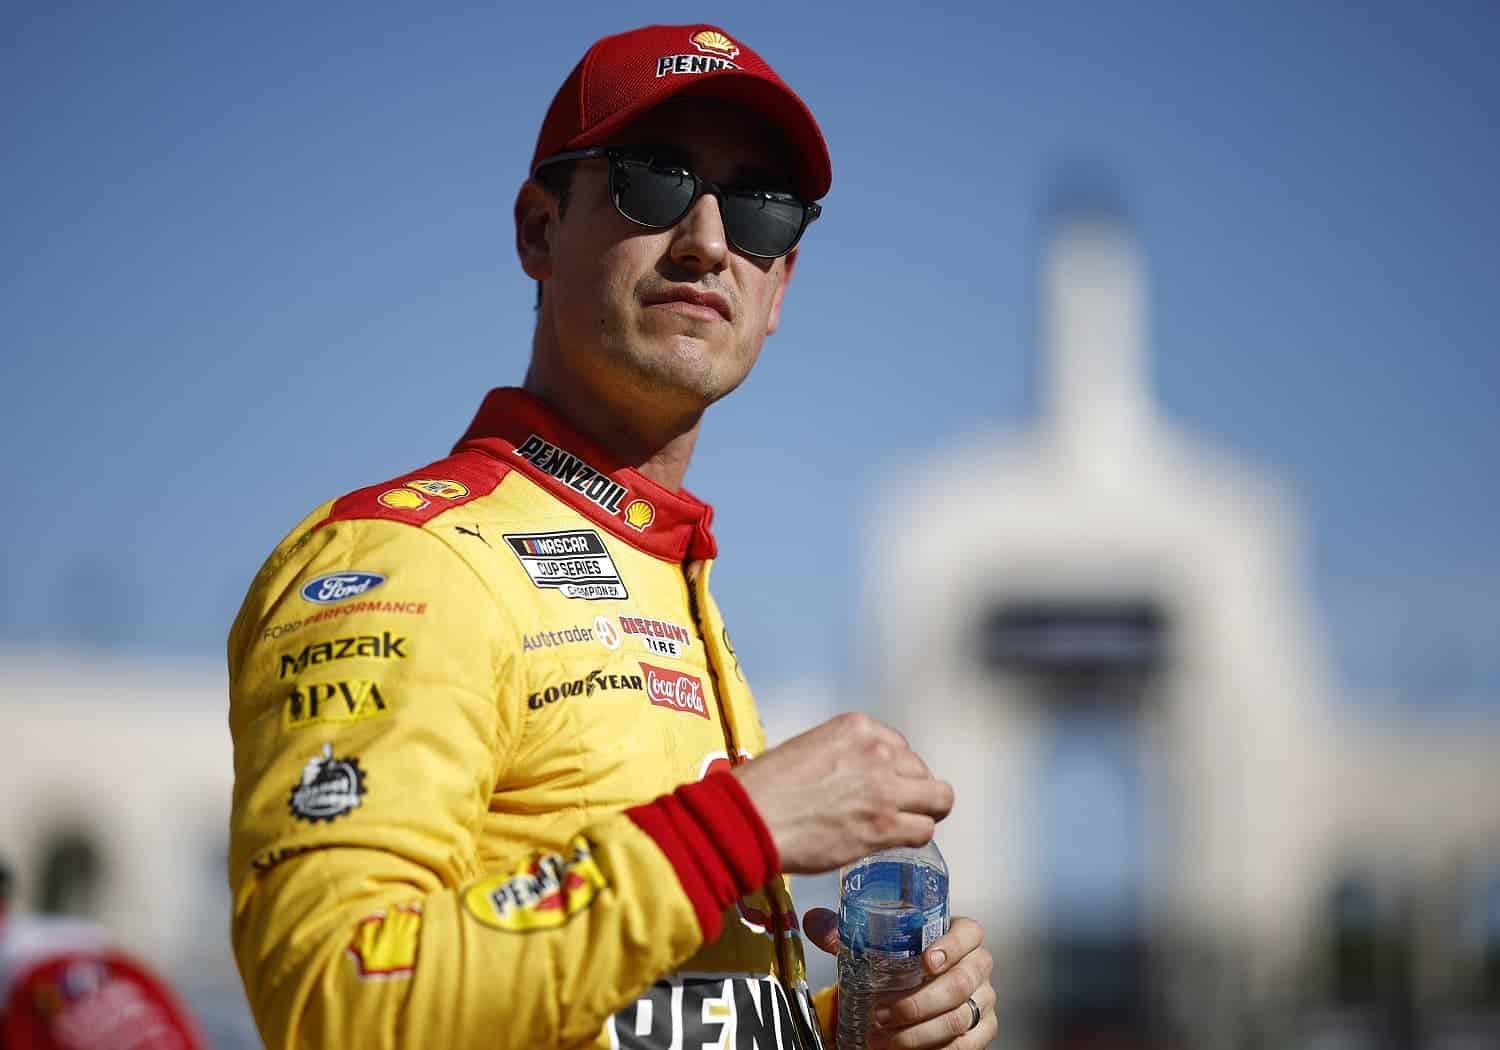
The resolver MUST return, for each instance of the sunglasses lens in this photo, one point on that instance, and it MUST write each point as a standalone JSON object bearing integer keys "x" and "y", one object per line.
{"x": 652, "y": 196}
{"x": 766, "y": 225}
{"x": 762, "y": 225}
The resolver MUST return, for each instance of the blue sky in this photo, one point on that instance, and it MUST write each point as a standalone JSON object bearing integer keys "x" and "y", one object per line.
{"x": 260, "y": 256}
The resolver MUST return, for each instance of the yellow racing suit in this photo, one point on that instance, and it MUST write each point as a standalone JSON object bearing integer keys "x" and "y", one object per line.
{"x": 483, "y": 717}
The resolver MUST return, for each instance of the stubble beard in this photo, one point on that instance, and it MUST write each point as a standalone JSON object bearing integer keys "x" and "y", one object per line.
{"x": 683, "y": 370}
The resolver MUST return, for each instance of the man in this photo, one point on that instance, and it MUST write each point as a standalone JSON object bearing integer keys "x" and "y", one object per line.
{"x": 499, "y": 779}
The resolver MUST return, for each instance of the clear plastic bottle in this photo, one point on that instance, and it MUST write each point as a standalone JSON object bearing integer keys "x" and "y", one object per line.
{"x": 892, "y": 906}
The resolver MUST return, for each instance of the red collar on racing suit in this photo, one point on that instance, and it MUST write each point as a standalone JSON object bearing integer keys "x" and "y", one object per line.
{"x": 528, "y": 435}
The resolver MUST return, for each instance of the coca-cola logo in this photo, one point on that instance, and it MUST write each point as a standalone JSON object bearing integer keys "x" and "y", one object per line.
{"x": 674, "y": 689}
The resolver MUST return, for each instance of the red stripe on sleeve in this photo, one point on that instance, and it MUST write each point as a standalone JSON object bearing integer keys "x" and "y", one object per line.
{"x": 716, "y": 841}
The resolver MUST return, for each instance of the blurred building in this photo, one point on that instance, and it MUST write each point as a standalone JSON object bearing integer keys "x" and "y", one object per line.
{"x": 1177, "y": 837}
{"x": 115, "y": 780}
{"x": 1175, "y": 832}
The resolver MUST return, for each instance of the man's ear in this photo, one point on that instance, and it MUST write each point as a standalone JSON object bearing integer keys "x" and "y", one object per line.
{"x": 790, "y": 264}
{"x": 536, "y": 223}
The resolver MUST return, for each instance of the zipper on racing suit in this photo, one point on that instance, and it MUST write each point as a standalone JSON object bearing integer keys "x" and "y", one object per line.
{"x": 784, "y": 926}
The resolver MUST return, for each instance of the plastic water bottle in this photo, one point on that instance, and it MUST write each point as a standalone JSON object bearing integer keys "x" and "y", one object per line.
{"x": 892, "y": 906}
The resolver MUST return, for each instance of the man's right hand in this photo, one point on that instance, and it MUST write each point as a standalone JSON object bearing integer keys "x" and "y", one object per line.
{"x": 841, "y": 791}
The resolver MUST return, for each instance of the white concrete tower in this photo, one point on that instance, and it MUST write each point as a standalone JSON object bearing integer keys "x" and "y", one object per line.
{"x": 1105, "y": 552}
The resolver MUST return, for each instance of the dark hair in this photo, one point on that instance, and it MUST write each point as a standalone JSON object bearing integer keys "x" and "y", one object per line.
{"x": 556, "y": 179}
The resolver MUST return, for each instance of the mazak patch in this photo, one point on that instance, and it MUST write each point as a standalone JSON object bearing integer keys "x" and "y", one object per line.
{"x": 575, "y": 562}
{"x": 330, "y": 787}
{"x": 383, "y": 646}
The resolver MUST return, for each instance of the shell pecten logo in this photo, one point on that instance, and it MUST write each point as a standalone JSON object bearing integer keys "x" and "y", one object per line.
{"x": 385, "y": 944}
{"x": 402, "y": 499}
{"x": 639, "y": 515}
{"x": 714, "y": 42}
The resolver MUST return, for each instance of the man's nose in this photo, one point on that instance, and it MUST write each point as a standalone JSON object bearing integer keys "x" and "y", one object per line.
{"x": 698, "y": 241}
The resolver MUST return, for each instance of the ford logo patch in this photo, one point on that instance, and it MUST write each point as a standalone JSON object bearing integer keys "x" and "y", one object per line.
{"x": 336, "y": 586}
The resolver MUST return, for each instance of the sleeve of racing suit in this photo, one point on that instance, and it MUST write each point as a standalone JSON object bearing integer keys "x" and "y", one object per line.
{"x": 374, "y": 702}
{"x": 826, "y": 1003}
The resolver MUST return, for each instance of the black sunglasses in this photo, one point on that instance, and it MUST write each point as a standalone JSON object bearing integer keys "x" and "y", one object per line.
{"x": 761, "y": 223}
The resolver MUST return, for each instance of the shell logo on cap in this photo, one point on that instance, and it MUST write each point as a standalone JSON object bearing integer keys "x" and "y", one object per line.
{"x": 402, "y": 499}
{"x": 714, "y": 42}
{"x": 639, "y": 515}
{"x": 444, "y": 489}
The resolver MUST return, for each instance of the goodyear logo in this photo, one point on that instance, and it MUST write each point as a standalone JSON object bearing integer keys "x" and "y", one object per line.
{"x": 594, "y": 682}
{"x": 333, "y": 703}
{"x": 540, "y": 894}
{"x": 385, "y": 944}
{"x": 383, "y": 646}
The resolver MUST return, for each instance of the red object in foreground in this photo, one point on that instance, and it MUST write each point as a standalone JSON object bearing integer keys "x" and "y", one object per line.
{"x": 90, "y": 1001}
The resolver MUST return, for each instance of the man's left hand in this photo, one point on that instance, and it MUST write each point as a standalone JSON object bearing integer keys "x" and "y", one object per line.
{"x": 937, "y": 1014}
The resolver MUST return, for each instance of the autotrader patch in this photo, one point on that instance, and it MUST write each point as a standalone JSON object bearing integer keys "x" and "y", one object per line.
{"x": 575, "y": 563}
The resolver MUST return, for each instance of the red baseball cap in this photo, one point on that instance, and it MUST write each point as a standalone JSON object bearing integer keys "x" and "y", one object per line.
{"x": 623, "y": 76}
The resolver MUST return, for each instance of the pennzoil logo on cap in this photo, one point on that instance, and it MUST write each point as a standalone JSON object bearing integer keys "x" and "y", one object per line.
{"x": 718, "y": 51}
{"x": 715, "y": 43}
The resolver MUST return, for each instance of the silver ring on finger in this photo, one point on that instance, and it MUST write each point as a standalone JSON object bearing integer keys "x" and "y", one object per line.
{"x": 973, "y": 1014}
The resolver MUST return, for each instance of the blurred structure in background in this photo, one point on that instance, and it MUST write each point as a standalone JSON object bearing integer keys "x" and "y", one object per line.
{"x": 115, "y": 777}
{"x": 1176, "y": 837}
{"x": 1175, "y": 833}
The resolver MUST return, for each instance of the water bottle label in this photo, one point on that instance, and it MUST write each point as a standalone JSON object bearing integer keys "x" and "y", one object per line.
{"x": 934, "y": 928}
{"x": 899, "y": 935}
{"x": 893, "y": 908}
